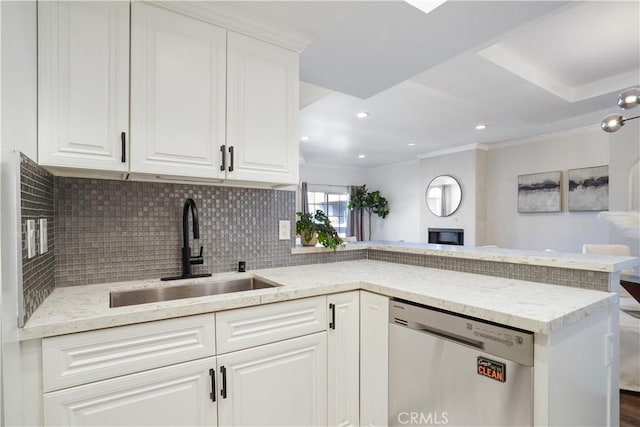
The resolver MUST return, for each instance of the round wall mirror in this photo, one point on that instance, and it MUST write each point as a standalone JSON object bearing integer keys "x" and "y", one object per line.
{"x": 443, "y": 195}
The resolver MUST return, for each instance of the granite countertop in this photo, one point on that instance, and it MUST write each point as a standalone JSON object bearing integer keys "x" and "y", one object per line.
{"x": 603, "y": 263}
{"x": 535, "y": 307}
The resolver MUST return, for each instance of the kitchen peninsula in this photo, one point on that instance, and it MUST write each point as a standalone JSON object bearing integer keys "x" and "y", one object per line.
{"x": 565, "y": 321}
{"x": 121, "y": 111}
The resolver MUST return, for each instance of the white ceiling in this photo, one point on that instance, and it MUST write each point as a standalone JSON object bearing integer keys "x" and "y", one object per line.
{"x": 522, "y": 67}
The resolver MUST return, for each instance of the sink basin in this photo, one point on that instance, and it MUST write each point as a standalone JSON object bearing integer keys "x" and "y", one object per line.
{"x": 144, "y": 296}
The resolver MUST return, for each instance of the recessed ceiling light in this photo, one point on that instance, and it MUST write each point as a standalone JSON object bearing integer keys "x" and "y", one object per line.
{"x": 304, "y": 138}
{"x": 362, "y": 115}
{"x": 411, "y": 144}
{"x": 481, "y": 127}
{"x": 361, "y": 156}
{"x": 425, "y": 6}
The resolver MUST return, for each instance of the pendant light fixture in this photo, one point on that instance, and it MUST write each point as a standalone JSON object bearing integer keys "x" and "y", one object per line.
{"x": 629, "y": 98}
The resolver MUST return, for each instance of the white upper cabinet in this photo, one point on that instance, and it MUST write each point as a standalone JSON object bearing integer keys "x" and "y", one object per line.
{"x": 206, "y": 103}
{"x": 262, "y": 105}
{"x": 178, "y": 68}
{"x": 83, "y": 84}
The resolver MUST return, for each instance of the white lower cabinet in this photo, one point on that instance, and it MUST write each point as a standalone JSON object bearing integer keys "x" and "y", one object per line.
{"x": 308, "y": 362}
{"x": 343, "y": 359}
{"x": 279, "y": 384}
{"x": 374, "y": 359}
{"x": 178, "y": 395}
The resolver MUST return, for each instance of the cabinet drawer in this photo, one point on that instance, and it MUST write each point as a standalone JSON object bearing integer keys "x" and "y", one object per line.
{"x": 177, "y": 395}
{"x": 85, "y": 357}
{"x": 252, "y": 326}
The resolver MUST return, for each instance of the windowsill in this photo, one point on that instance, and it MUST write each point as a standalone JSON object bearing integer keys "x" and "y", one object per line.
{"x": 349, "y": 246}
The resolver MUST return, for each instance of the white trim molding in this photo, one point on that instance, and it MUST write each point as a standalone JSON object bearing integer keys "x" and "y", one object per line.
{"x": 467, "y": 147}
{"x": 215, "y": 13}
{"x": 542, "y": 137}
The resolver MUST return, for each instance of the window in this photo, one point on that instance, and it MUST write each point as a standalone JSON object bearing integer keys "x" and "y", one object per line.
{"x": 333, "y": 202}
{"x": 434, "y": 200}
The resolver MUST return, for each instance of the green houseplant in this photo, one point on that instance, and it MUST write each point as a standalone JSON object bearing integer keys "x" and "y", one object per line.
{"x": 370, "y": 202}
{"x": 316, "y": 227}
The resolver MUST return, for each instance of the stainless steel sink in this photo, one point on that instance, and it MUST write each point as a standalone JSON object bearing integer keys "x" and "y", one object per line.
{"x": 166, "y": 293}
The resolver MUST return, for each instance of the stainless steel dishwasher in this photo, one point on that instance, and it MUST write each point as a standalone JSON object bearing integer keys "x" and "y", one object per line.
{"x": 447, "y": 369}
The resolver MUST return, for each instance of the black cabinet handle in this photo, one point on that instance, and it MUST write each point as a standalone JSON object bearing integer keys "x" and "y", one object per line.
{"x": 223, "y": 392}
{"x": 223, "y": 166}
{"x": 123, "y": 140}
{"x": 231, "y": 153}
{"x": 332, "y": 324}
{"x": 212, "y": 395}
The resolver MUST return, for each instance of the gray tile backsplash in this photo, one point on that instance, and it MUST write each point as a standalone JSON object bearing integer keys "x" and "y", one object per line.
{"x": 595, "y": 280}
{"x": 121, "y": 230}
{"x": 36, "y": 202}
{"x": 105, "y": 231}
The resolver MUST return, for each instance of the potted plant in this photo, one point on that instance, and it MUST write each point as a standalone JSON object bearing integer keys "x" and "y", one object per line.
{"x": 306, "y": 229}
{"x": 371, "y": 202}
{"x": 313, "y": 228}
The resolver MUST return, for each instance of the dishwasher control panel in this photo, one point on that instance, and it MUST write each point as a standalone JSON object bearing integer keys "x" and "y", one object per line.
{"x": 502, "y": 341}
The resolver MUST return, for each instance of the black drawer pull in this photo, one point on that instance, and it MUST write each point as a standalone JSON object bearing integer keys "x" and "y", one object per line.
{"x": 223, "y": 166}
{"x": 212, "y": 395}
{"x": 231, "y": 153}
{"x": 123, "y": 140}
{"x": 332, "y": 324}
{"x": 223, "y": 392}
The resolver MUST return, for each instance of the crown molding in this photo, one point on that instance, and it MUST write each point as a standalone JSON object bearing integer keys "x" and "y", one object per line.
{"x": 512, "y": 142}
{"x": 217, "y": 14}
{"x": 453, "y": 150}
{"x": 542, "y": 137}
{"x": 335, "y": 166}
{"x": 390, "y": 165}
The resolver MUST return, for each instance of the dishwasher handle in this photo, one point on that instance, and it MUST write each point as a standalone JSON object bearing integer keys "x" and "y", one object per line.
{"x": 450, "y": 336}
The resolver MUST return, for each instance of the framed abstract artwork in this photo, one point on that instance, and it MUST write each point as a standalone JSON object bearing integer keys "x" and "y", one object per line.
{"x": 589, "y": 189}
{"x": 540, "y": 192}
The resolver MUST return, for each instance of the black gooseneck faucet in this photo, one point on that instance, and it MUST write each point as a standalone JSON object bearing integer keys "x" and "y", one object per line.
{"x": 187, "y": 259}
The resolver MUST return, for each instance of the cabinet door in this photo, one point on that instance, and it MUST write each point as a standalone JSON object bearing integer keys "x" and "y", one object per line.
{"x": 83, "y": 84}
{"x": 262, "y": 105}
{"x": 177, "y": 94}
{"x": 343, "y": 359}
{"x": 280, "y": 384}
{"x": 178, "y": 395}
{"x": 374, "y": 359}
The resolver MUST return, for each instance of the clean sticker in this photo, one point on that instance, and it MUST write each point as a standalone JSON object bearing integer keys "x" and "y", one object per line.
{"x": 492, "y": 369}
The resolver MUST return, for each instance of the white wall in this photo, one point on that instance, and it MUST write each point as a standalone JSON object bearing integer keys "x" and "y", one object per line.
{"x": 400, "y": 185}
{"x": 18, "y": 131}
{"x": 482, "y": 157}
{"x": 624, "y": 153}
{"x": 563, "y": 231}
{"x": 1, "y": 364}
{"x": 19, "y": 77}
{"x": 332, "y": 175}
{"x": 488, "y": 211}
{"x": 461, "y": 166}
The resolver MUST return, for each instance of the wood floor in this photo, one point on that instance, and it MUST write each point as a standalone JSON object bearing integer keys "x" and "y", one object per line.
{"x": 629, "y": 409}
